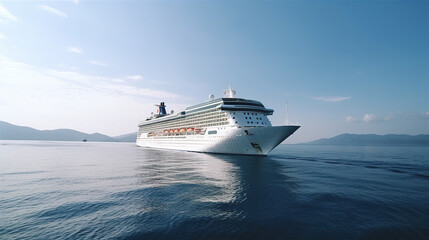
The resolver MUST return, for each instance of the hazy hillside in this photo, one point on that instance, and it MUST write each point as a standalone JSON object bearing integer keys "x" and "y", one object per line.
{"x": 13, "y": 132}
{"x": 373, "y": 139}
{"x": 130, "y": 137}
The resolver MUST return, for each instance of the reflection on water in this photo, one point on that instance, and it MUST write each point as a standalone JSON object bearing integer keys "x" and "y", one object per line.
{"x": 160, "y": 168}
{"x": 231, "y": 186}
{"x": 232, "y": 175}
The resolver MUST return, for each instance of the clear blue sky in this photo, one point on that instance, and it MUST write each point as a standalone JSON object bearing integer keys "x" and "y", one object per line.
{"x": 99, "y": 66}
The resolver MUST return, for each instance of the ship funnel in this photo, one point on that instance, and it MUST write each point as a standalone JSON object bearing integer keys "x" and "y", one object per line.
{"x": 161, "y": 109}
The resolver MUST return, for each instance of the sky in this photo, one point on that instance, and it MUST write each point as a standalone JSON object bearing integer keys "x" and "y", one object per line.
{"x": 100, "y": 66}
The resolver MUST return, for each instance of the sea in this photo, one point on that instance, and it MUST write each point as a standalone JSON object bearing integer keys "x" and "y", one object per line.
{"x": 95, "y": 190}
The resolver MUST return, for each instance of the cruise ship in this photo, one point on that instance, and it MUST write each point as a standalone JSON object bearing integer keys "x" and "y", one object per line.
{"x": 227, "y": 125}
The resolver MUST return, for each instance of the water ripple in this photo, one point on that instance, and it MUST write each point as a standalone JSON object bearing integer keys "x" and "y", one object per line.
{"x": 55, "y": 190}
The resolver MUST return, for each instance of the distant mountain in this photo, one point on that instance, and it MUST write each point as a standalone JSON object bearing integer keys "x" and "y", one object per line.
{"x": 130, "y": 137}
{"x": 13, "y": 132}
{"x": 373, "y": 139}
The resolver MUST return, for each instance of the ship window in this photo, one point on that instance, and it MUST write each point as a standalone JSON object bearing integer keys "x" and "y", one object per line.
{"x": 247, "y": 121}
{"x": 252, "y": 113}
{"x": 251, "y": 122}
{"x": 212, "y": 132}
{"x": 236, "y": 122}
{"x": 233, "y": 117}
{"x": 246, "y": 117}
{"x": 250, "y": 117}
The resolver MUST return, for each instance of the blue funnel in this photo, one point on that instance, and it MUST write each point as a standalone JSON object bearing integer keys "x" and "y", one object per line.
{"x": 162, "y": 110}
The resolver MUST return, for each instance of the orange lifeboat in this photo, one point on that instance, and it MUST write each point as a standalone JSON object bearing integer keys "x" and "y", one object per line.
{"x": 176, "y": 130}
{"x": 171, "y": 130}
{"x": 183, "y": 130}
{"x": 166, "y": 131}
{"x": 190, "y": 129}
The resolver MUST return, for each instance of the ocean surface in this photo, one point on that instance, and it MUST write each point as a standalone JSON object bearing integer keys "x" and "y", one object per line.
{"x": 76, "y": 190}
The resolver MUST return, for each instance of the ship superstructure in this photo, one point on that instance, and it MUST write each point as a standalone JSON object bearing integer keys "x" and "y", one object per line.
{"x": 225, "y": 125}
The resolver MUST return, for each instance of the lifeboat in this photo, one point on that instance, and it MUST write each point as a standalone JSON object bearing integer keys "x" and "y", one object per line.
{"x": 166, "y": 131}
{"x": 176, "y": 130}
{"x": 197, "y": 130}
{"x": 190, "y": 129}
{"x": 171, "y": 130}
{"x": 183, "y": 130}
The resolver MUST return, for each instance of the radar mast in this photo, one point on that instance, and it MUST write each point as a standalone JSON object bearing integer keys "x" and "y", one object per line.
{"x": 229, "y": 93}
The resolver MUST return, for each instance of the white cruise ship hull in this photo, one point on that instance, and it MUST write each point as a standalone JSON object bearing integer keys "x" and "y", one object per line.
{"x": 228, "y": 140}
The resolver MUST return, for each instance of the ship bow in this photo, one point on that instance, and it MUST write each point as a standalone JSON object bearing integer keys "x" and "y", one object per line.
{"x": 264, "y": 140}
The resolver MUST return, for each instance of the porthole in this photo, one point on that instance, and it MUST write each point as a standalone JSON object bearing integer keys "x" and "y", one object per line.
{"x": 246, "y": 117}
{"x": 247, "y": 121}
{"x": 251, "y": 122}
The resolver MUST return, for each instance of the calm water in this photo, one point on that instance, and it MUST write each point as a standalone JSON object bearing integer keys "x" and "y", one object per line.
{"x": 72, "y": 190}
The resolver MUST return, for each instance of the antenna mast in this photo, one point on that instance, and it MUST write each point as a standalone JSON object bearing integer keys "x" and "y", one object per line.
{"x": 229, "y": 93}
{"x": 287, "y": 120}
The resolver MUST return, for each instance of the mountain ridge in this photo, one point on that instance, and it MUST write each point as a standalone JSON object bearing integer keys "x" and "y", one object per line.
{"x": 373, "y": 139}
{"x": 130, "y": 137}
{"x": 10, "y": 131}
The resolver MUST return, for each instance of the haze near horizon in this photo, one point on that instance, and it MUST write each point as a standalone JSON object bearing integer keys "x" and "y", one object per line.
{"x": 100, "y": 66}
